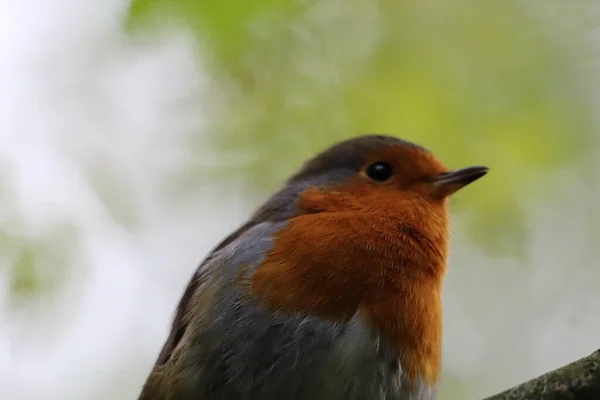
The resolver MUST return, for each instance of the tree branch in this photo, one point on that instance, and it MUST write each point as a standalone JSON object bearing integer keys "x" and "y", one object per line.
{"x": 579, "y": 380}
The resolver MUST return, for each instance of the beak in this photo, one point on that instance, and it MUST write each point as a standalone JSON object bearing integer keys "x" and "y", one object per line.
{"x": 449, "y": 182}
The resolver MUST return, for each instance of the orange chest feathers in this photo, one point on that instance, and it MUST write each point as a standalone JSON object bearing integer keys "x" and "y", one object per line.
{"x": 334, "y": 265}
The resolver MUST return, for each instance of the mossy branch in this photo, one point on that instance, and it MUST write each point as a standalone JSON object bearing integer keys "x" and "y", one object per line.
{"x": 579, "y": 380}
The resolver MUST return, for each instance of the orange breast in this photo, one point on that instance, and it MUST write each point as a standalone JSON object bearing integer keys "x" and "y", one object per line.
{"x": 369, "y": 260}
{"x": 411, "y": 320}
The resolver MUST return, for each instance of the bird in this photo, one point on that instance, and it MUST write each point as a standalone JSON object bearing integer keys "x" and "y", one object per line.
{"x": 331, "y": 290}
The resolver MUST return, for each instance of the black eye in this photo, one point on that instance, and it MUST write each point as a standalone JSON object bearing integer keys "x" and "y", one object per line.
{"x": 379, "y": 171}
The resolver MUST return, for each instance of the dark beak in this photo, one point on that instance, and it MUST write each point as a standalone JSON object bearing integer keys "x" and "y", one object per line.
{"x": 449, "y": 182}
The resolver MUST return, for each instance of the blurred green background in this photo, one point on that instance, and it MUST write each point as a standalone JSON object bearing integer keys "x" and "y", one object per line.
{"x": 494, "y": 83}
{"x": 153, "y": 153}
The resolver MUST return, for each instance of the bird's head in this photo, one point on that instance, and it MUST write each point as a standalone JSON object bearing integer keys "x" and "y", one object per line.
{"x": 385, "y": 164}
{"x": 381, "y": 175}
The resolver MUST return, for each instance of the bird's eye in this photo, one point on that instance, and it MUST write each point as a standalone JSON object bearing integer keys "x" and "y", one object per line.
{"x": 379, "y": 171}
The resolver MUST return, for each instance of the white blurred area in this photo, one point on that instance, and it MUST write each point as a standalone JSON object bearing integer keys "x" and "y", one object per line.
{"x": 94, "y": 125}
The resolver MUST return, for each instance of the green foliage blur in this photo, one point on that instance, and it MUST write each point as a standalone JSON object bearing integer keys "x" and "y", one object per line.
{"x": 498, "y": 83}
{"x": 492, "y": 83}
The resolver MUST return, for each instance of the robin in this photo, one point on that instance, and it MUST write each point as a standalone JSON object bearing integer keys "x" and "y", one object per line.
{"x": 330, "y": 291}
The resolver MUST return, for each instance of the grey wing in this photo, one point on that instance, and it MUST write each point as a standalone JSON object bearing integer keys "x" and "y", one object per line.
{"x": 263, "y": 223}
{"x": 217, "y": 272}
{"x": 197, "y": 284}
{"x": 161, "y": 377}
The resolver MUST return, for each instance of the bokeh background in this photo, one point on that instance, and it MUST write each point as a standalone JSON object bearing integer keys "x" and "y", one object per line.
{"x": 135, "y": 135}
